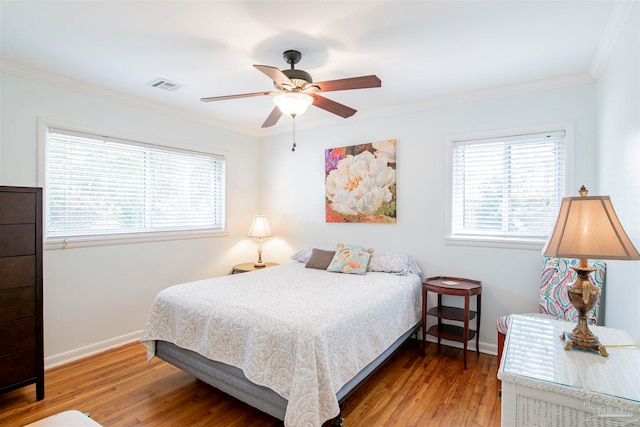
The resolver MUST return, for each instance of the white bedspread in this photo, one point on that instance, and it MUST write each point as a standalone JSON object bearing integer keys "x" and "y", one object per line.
{"x": 302, "y": 332}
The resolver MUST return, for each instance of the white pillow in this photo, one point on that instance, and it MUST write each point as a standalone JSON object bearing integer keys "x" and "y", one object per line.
{"x": 394, "y": 262}
{"x": 304, "y": 254}
{"x": 390, "y": 262}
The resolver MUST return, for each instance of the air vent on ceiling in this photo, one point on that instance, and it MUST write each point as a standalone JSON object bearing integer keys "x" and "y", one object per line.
{"x": 165, "y": 84}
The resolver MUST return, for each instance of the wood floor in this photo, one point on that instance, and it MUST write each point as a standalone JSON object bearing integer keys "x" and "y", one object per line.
{"x": 119, "y": 388}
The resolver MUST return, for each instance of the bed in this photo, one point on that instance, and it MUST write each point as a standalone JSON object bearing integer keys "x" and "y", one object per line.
{"x": 289, "y": 340}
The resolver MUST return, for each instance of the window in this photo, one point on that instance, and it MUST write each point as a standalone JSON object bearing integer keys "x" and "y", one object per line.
{"x": 101, "y": 186}
{"x": 507, "y": 188}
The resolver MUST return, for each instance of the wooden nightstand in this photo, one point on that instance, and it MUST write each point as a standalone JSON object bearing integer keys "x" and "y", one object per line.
{"x": 457, "y": 287}
{"x": 248, "y": 266}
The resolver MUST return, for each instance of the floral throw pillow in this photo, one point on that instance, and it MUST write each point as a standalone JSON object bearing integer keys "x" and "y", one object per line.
{"x": 350, "y": 259}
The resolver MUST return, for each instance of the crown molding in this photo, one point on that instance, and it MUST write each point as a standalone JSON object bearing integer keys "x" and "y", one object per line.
{"x": 441, "y": 101}
{"x": 496, "y": 92}
{"x": 616, "y": 21}
{"x": 538, "y": 85}
{"x": 87, "y": 88}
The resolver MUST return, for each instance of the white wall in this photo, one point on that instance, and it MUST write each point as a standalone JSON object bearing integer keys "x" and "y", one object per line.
{"x": 619, "y": 166}
{"x": 293, "y": 189}
{"x": 95, "y": 297}
{"x": 99, "y": 296}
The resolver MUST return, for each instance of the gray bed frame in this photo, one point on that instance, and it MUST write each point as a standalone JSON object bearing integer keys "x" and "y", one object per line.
{"x": 232, "y": 381}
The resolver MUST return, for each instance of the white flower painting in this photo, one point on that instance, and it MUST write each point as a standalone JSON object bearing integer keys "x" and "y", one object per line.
{"x": 360, "y": 184}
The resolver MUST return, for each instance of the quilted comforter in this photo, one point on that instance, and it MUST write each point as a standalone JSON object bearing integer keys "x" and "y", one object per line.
{"x": 301, "y": 332}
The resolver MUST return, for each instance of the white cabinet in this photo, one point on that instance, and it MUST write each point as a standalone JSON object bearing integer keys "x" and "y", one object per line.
{"x": 545, "y": 385}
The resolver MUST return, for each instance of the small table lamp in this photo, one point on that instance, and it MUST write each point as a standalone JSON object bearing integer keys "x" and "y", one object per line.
{"x": 587, "y": 227}
{"x": 260, "y": 228}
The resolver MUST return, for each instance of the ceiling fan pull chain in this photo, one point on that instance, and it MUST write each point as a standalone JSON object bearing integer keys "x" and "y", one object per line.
{"x": 294, "y": 133}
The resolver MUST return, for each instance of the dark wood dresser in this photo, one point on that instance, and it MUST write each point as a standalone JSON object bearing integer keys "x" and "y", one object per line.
{"x": 21, "y": 328}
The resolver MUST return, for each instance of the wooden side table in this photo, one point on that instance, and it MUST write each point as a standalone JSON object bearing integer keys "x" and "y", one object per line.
{"x": 455, "y": 286}
{"x": 248, "y": 266}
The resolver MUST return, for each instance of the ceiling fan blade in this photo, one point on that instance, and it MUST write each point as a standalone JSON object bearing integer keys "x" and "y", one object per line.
{"x": 243, "y": 95}
{"x": 333, "y": 106}
{"x": 273, "y": 118}
{"x": 349, "y": 83}
{"x": 276, "y": 75}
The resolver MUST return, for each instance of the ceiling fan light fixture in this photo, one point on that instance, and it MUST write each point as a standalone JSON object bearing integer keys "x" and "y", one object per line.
{"x": 293, "y": 87}
{"x": 293, "y": 104}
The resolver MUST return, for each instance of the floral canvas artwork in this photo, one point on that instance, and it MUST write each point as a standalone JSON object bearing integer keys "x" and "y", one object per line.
{"x": 360, "y": 183}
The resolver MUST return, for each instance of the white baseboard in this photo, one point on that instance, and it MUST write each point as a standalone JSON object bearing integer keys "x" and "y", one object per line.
{"x": 99, "y": 347}
{"x": 82, "y": 352}
{"x": 486, "y": 348}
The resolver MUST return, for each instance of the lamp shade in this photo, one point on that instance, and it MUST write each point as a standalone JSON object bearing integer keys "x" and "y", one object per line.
{"x": 293, "y": 104}
{"x": 588, "y": 227}
{"x": 260, "y": 227}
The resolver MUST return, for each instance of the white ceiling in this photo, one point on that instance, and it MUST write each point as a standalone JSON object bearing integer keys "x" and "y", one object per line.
{"x": 421, "y": 50}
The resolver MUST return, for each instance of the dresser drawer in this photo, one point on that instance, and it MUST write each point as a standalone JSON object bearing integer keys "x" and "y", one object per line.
{"x": 21, "y": 333}
{"x": 17, "y": 240}
{"x": 18, "y": 335}
{"x": 17, "y": 368}
{"x": 17, "y": 272}
{"x": 17, "y": 208}
{"x": 17, "y": 304}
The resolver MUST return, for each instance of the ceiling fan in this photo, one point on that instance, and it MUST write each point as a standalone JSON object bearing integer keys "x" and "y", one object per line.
{"x": 295, "y": 90}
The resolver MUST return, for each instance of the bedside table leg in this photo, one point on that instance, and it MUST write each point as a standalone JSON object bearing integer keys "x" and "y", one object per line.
{"x": 465, "y": 334}
{"x": 424, "y": 321}
{"x": 479, "y": 311}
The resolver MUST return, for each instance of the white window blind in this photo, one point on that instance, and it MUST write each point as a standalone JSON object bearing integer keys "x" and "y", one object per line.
{"x": 509, "y": 187}
{"x": 104, "y": 186}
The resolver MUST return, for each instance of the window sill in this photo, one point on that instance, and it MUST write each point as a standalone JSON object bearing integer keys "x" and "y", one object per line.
{"x": 531, "y": 245}
{"x": 127, "y": 239}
